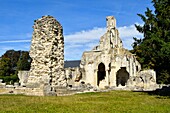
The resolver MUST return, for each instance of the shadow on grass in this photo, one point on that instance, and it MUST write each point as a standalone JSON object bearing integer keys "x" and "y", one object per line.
{"x": 164, "y": 92}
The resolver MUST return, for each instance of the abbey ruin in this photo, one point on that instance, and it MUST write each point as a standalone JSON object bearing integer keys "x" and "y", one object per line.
{"x": 107, "y": 66}
{"x": 110, "y": 65}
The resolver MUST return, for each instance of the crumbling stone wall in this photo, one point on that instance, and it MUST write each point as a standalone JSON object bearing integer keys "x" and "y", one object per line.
{"x": 23, "y": 77}
{"x": 47, "y": 53}
{"x": 120, "y": 67}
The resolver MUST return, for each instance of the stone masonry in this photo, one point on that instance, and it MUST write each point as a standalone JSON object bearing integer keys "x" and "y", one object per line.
{"x": 47, "y": 53}
{"x": 110, "y": 65}
{"x": 107, "y": 66}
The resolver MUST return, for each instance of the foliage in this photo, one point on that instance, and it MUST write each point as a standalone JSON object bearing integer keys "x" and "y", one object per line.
{"x": 5, "y": 67}
{"x": 11, "y": 62}
{"x": 106, "y": 102}
{"x": 10, "y": 79}
{"x": 13, "y": 56}
{"x": 153, "y": 51}
{"x": 24, "y": 61}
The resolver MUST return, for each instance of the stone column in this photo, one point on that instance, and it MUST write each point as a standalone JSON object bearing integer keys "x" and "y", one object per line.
{"x": 107, "y": 77}
{"x": 95, "y": 77}
{"x": 130, "y": 66}
{"x": 112, "y": 77}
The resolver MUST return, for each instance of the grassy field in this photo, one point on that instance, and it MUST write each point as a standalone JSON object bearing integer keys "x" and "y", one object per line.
{"x": 107, "y": 102}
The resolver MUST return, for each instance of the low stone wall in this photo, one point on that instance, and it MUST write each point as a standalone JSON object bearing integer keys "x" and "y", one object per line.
{"x": 22, "y": 90}
{"x": 145, "y": 80}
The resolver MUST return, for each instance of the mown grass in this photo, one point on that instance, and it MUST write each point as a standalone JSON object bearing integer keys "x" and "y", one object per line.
{"x": 107, "y": 102}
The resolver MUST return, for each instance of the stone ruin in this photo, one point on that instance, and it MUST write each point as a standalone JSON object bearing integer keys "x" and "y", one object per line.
{"x": 46, "y": 75}
{"x": 47, "y": 53}
{"x": 107, "y": 66}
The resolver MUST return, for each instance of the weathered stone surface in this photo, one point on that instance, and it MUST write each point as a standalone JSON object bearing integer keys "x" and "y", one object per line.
{"x": 73, "y": 76}
{"x": 148, "y": 78}
{"x": 2, "y": 85}
{"x": 23, "y": 77}
{"x": 47, "y": 53}
{"x": 110, "y": 65}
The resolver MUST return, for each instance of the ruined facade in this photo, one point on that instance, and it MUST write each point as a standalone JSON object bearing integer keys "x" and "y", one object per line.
{"x": 110, "y": 65}
{"x": 47, "y": 53}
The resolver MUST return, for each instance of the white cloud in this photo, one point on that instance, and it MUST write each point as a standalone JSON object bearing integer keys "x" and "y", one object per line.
{"x": 15, "y": 41}
{"x": 127, "y": 33}
{"x": 77, "y": 43}
{"x": 85, "y": 36}
{"x": 81, "y": 41}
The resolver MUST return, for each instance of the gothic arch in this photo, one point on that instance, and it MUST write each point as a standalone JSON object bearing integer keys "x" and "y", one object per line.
{"x": 101, "y": 73}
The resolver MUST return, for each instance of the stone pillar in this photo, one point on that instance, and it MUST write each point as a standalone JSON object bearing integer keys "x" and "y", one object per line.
{"x": 130, "y": 66}
{"x": 134, "y": 68}
{"x": 107, "y": 77}
{"x": 113, "y": 77}
{"x": 47, "y": 53}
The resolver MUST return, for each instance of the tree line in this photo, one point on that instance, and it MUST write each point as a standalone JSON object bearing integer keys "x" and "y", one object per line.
{"x": 11, "y": 62}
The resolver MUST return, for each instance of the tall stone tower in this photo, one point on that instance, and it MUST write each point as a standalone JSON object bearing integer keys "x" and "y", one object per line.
{"x": 47, "y": 53}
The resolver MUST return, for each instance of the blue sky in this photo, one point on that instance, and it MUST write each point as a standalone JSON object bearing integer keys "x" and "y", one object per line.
{"x": 83, "y": 21}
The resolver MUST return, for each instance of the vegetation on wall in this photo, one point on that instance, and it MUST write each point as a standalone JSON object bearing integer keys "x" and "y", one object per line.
{"x": 153, "y": 50}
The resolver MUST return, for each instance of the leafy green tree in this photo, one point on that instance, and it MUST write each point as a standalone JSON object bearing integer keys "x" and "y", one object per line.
{"x": 11, "y": 62}
{"x": 5, "y": 67}
{"x": 153, "y": 50}
{"x": 13, "y": 56}
{"x": 24, "y": 61}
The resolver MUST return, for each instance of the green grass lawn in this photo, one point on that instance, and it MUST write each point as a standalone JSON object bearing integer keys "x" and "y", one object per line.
{"x": 106, "y": 102}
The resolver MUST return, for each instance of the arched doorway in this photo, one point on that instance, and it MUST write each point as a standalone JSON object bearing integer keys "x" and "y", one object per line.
{"x": 122, "y": 76}
{"x": 101, "y": 73}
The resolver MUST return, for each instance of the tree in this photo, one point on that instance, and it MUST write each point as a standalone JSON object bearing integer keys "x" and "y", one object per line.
{"x": 13, "y": 56}
{"x": 153, "y": 50}
{"x": 5, "y": 67}
{"x": 11, "y": 62}
{"x": 24, "y": 61}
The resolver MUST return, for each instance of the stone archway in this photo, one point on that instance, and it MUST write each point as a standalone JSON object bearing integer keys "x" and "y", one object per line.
{"x": 122, "y": 77}
{"x": 101, "y": 73}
